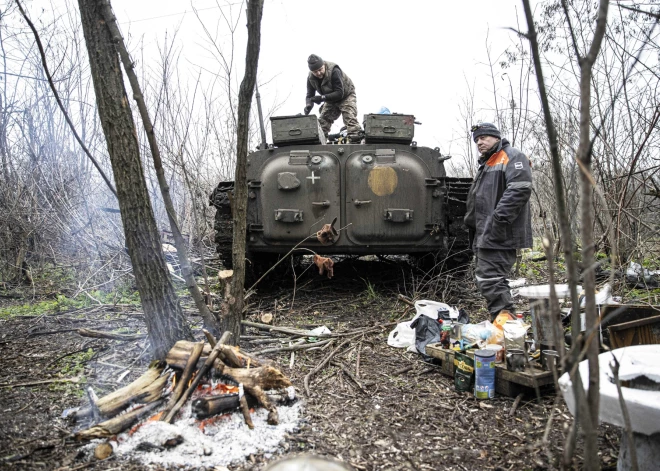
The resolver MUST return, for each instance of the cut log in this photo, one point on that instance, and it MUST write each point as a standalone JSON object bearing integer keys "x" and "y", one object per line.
{"x": 262, "y": 399}
{"x": 177, "y": 357}
{"x": 184, "y": 379}
{"x": 118, "y": 424}
{"x": 208, "y": 406}
{"x": 198, "y": 377}
{"x": 210, "y": 338}
{"x": 245, "y": 410}
{"x": 265, "y": 377}
{"x": 147, "y": 388}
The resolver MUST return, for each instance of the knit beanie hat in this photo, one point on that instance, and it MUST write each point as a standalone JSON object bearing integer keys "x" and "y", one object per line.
{"x": 314, "y": 62}
{"x": 485, "y": 129}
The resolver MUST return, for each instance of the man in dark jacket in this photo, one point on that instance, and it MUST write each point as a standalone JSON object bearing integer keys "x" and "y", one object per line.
{"x": 498, "y": 215}
{"x": 336, "y": 90}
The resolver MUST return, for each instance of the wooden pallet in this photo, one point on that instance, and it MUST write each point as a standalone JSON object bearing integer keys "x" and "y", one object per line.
{"x": 507, "y": 383}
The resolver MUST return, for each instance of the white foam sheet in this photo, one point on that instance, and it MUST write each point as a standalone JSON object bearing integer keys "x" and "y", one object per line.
{"x": 225, "y": 442}
{"x": 643, "y": 406}
{"x": 543, "y": 291}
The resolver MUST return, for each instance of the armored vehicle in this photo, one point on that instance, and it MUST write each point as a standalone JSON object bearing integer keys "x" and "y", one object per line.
{"x": 384, "y": 195}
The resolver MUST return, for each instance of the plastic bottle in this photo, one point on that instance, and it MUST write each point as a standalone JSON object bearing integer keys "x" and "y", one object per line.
{"x": 519, "y": 317}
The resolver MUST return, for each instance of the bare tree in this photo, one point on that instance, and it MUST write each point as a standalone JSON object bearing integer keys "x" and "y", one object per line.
{"x": 164, "y": 318}
{"x": 209, "y": 319}
{"x": 231, "y": 320}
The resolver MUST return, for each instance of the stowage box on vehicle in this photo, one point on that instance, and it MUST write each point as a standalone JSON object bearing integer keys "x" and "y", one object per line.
{"x": 288, "y": 130}
{"x": 399, "y": 128}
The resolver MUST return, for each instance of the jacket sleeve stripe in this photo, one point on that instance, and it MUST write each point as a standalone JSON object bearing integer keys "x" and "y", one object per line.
{"x": 519, "y": 185}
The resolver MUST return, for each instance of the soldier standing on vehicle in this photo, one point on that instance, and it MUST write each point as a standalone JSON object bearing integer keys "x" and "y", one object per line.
{"x": 498, "y": 214}
{"x": 337, "y": 93}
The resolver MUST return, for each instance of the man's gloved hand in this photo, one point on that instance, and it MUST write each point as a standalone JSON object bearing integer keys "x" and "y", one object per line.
{"x": 317, "y": 99}
{"x": 308, "y": 107}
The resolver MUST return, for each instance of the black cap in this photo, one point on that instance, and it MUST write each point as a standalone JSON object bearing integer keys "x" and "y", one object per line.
{"x": 314, "y": 62}
{"x": 485, "y": 129}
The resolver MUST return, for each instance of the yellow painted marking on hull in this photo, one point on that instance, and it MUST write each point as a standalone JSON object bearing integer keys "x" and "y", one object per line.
{"x": 383, "y": 180}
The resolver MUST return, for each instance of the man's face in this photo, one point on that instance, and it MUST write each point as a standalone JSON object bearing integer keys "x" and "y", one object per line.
{"x": 485, "y": 142}
{"x": 318, "y": 73}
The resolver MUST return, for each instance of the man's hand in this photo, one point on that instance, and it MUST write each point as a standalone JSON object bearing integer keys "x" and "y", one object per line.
{"x": 317, "y": 99}
{"x": 308, "y": 107}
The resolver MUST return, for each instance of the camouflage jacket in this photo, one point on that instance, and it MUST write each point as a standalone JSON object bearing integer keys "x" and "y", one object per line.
{"x": 335, "y": 84}
{"x": 498, "y": 215}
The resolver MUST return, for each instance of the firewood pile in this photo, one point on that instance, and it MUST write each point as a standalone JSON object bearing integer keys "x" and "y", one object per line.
{"x": 216, "y": 378}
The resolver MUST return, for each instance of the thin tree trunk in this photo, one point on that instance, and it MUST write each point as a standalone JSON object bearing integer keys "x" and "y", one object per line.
{"x": 582, "y": 416}
{"x": 231, "y": 320}
{"x": 210, "y": 321}
{"x": 163, "y": 315}
{"x": 584, "y": 153}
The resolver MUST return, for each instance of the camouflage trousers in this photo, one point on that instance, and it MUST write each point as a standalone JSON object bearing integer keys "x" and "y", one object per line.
{"x": 347, "y": 108}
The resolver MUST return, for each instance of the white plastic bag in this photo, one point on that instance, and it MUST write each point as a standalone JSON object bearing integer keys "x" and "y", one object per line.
{"x": 319, "y": 331}
{"x": 430, "y": 309}
{"x": 403, "y": 336}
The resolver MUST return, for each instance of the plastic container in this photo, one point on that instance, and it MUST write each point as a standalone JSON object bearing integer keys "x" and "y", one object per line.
{"x": 484, "y": 374}
{"x": 499, "y": 352}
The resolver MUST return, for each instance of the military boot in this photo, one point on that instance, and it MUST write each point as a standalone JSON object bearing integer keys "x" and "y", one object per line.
{"x": 356, "y": 137}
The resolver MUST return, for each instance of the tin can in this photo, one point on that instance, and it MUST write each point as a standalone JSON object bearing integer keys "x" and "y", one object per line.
{"x": 484, "y": 374}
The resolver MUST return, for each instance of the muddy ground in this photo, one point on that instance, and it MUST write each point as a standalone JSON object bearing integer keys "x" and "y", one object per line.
{"x": 391, "y": 419}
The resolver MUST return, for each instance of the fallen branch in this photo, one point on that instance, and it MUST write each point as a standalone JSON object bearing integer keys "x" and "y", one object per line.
{"x": 323, "y": 363}
{"x": 75, "y": 379}
{"x": 404, "y": 299}
{"x": 403, "y": 370}
{"x": 348, "y": 373}
{"x": 515, "y": 405}
{"x": 292, "y": 348}
{"x": 97, "y": 334}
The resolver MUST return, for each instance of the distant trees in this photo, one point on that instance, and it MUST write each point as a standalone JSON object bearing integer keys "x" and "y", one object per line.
{"x": 624, "y": 120}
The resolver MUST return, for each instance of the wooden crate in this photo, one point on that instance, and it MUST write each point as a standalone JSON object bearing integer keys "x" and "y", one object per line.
{"x": 621, "y": 314}
{"x": 507, "y": 383}
{"x": 639, "y": 332}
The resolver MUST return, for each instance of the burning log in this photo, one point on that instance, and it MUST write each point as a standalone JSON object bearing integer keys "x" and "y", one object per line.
{"x": 118, "y": 424}
{"x": 177, "y": 357}
{"x": 209, "y": 406}
{"x": 200, "y": 373}
{"x": 185, "y": 378}
{"x": 265, "y": 377}
{"x": 245, "y": 374}
{"x": 147, "y": 388}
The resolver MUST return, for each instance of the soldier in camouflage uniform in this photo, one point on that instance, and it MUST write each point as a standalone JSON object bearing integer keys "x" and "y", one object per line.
{"x": 337, "y": 93}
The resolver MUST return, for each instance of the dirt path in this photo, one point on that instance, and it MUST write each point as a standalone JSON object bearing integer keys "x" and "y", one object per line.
{"x": 387, "y": 419}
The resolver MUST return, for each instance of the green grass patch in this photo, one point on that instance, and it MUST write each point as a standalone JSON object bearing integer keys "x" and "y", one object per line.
{"x": 74, "y": 364}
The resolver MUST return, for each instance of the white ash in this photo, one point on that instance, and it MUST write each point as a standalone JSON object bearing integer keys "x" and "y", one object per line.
{"x": 226, "y": 441}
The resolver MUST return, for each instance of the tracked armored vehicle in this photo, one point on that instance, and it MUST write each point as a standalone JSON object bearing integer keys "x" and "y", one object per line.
{"x": 386, "y": 194}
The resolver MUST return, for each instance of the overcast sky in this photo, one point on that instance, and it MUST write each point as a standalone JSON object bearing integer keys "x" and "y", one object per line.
{"x": 414, "y": 57}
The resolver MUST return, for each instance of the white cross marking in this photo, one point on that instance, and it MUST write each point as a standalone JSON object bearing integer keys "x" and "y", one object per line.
{"x": 312, "y": 178}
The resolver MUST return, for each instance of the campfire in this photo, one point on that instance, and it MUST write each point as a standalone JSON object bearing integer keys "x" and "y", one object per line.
{"x": 186, "y": 403}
